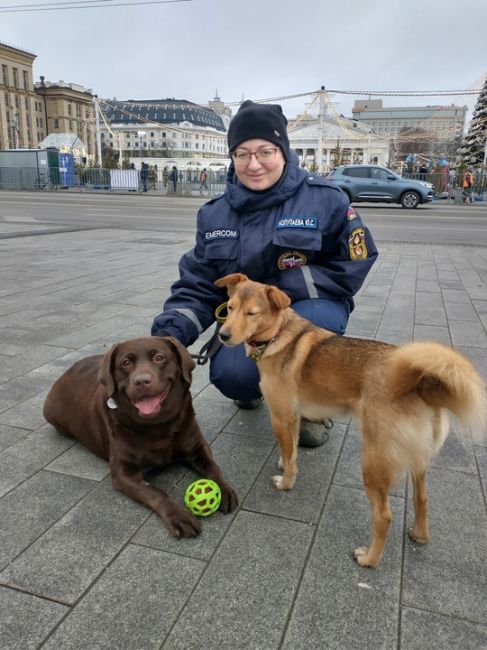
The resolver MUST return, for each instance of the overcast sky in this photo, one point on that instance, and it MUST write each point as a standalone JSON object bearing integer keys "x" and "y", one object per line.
{"x": 258, "y": 48}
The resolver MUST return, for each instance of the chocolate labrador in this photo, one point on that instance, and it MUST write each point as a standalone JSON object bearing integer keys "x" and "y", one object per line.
{"x": 132, "y": 406}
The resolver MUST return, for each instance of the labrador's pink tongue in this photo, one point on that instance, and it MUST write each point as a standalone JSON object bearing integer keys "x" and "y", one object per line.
{"x": 148, "y": 405}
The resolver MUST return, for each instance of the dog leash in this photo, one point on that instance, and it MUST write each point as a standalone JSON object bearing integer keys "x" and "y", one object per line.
{"x": 211, "y": 347}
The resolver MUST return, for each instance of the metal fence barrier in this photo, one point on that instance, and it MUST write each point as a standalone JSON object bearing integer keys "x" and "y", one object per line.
{"x": 187, "y": 182}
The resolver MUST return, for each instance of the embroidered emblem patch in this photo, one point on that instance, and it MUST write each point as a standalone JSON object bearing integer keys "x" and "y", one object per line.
{"x": 310, "y": 223}
{"x": 356, "y": 245}
{"x": 291, "y": 260}
{"x": 351, "y": 214}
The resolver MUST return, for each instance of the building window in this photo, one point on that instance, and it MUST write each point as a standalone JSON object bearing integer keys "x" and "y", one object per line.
{"x": 5, "y": 75}
{"x": 16, "y": 77}
{"x": 56, "y": 123}
{"x": 25, "y": 75}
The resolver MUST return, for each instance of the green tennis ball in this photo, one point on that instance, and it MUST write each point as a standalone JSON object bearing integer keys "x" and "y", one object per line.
{"x": 203, "y": 497}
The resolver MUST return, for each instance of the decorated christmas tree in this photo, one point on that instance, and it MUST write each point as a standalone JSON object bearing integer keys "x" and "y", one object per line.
{"x": 473, "y": 147}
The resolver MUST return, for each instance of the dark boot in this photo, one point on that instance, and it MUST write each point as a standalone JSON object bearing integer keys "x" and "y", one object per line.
{"x": 248, "y": 405}
{"x": 314, "y": 434}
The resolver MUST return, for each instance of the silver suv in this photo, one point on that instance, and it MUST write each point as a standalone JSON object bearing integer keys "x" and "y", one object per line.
{"x": 379, "y": 184}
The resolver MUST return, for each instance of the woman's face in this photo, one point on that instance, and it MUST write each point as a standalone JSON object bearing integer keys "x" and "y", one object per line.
{"x": 258, "y": 163}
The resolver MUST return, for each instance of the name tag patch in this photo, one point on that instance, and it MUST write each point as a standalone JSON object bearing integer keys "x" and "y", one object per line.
{"x": 221, "y": 233}
{"x": 310, "y": 223}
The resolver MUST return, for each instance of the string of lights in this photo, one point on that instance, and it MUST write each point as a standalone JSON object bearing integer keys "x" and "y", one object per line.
{"x": 83, "y": 4}
{"x": 405, "y": 135}
{"x": 167, "y": 105}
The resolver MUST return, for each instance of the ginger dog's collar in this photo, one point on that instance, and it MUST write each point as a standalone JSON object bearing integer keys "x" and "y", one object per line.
{"x": 259, "y": 347}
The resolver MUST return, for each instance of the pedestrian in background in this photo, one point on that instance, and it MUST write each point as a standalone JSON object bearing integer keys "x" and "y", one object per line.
{"x": 468, "y": 180}
{"x": 173, "y": 177}
{"x": 423, "y": 170}
{"x": 144, "y": 173}
{"x": 152, "y": 176}
{"x": 278, "y": 225}
{"x": 203, "y": 181}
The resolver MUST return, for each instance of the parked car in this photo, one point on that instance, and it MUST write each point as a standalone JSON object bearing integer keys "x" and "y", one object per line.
{"x": 379, "y": 184}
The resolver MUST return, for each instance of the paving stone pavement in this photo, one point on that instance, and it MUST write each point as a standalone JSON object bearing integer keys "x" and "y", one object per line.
{"x": 84, "y": 567}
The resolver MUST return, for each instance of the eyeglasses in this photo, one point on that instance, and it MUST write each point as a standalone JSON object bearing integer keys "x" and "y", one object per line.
{"x": 241, "y": 157}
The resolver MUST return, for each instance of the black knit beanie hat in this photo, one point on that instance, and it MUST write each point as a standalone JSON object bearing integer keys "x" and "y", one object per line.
{"x": 266, "y": 121}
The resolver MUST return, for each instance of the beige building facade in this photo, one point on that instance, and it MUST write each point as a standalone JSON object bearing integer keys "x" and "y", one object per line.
{"x": 68, "y": 108}
{"x": 29, "y": 112}
{"x": 22, "y": 124}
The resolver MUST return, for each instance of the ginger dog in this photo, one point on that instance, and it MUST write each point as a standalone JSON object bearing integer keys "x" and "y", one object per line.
{"x": 400, "y": 396}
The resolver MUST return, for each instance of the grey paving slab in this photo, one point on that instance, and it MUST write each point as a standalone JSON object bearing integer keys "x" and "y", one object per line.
{"x": 241, "y": 460}
{"x": 79, "y": 461}
{"x": 349, "y": 467}
{"x": 467, "y": 333}
{"x": 456, "y": 295}
{"x": 305, "y": 500}
{"x": 17, "y": 365}
{"x": 246, "y": 594}
{"x": 62, "y": 563}
{"x": 457, "y": 454}
{"x": 23, "y": 459}
{"x": 449, "y": 575}
{"x": 133, "y": 605}
{"x": 427, "y": 285}
{"x": 430, "y": 309}
{"x": 432, "y": 333}
{"x": 18, "y": 390}
{"x": 340, "y": 605}
{"x": 34, "y": 506}
{"x": 481, "y": 456}
{"x": 11, "y": 435}
{"x": 256, "y": 424}
{"x": 26, "y": 414}
{"x": 26, "y": 620}
{"x": 213, "y": 412}
{"x": 421, "y": 630}
{"x": 75, "y": 551}
{"x": 461, "y": 311}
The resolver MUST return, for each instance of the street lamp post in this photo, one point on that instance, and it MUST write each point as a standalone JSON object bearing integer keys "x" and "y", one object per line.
{"x": 97, "y": 129}
{"x": 120, "y": 156}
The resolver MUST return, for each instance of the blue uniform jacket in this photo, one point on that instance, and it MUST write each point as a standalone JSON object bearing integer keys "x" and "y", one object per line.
{"x": 301, "y": 235}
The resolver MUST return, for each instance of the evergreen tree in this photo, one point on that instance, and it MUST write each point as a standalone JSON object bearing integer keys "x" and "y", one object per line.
{"x": 472, "y": 149}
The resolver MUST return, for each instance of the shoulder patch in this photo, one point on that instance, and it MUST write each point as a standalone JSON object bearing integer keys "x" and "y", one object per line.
{"x": 357, "y": 246}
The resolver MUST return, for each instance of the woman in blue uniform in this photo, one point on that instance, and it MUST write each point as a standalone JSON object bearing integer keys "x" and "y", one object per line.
{"x": 277, "y": 224}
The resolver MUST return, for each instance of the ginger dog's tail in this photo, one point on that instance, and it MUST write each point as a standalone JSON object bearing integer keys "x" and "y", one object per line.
{"x": 443, "y": 378}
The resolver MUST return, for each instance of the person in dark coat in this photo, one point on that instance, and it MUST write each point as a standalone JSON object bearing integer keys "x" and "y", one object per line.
{"x": 144, "y": 175}
{"x": 173, "y": 177}
{"x": 277, "y": 224}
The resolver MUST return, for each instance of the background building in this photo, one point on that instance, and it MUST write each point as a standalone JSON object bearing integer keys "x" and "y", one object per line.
{"x": 22, "y": 124}
{"x": 68, "y": 109}
{"x": 340, "y": 140}
{"x": 427, "y": 130}
{"x": 163, "y": 128}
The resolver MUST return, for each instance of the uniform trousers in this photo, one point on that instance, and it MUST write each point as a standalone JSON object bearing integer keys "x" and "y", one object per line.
{"x": 237, "y": 377}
